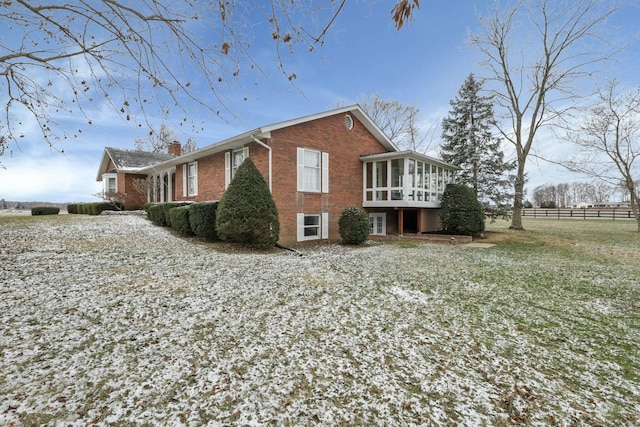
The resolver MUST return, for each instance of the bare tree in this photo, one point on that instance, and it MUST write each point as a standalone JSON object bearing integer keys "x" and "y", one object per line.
{"x": 534, "y": 52}
{"x": 608, "y": 141}
{"x": 157, "y": 141}
{"x": 60, "y": 58}
{"x": 189, "y": 146}
{"x": 397, "y": 120}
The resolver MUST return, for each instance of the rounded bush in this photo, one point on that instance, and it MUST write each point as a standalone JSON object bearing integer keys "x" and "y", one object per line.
{"x": 72, "y": 208}
{"x": 460, "y": 211}
{"x": 353, "y": 226}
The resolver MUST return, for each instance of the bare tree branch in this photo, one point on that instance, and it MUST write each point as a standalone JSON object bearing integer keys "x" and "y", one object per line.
{"x": 535, "y": 53}
{"x": 152, "y": 57}
{"x": 608, "y": 141}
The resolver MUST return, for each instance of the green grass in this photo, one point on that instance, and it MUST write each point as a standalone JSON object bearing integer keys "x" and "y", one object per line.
{"x": 541, "y": 329}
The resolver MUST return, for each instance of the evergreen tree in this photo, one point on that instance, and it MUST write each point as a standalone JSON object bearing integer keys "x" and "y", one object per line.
{"x": 469, "y": 144}
{"x": 247, "y": 213}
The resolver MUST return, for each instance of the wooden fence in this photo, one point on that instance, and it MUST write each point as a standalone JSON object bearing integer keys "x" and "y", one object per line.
{"x": 589, "y": 213}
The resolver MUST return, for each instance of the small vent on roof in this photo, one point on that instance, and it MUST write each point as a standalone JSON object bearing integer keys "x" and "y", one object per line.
{"x": 348, "y": 121}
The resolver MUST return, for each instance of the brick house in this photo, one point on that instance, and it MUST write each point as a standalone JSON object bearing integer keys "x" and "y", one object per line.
{"x": 316, "y": 166}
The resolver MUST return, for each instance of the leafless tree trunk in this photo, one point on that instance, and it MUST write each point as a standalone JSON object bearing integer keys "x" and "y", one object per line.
{"x": 534, "y": 52}
{"x": 608, "y": 139}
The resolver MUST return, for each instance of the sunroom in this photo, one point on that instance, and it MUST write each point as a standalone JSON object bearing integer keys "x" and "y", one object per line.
{"x": 402, "y": 191}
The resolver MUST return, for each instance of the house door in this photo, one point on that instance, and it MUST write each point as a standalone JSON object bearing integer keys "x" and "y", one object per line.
{"x": 410, "y": 221}
{"x": 378, "y": 224}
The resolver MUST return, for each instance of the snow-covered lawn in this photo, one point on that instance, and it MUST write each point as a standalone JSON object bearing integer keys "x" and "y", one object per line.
{"x": 111, "y": 320}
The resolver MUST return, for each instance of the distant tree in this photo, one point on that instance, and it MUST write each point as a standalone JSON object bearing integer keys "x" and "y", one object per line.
{"x": 58, "y": 57}
{"x": 189, "y": 146}
{"x": 535, "y": 80}
{"x": 159, "y": 141}
{"x": 470, "y": 144}
{"x": 247, "y": 213}
{"x": 397, "y": 120}
{"x": 608, "y": 141}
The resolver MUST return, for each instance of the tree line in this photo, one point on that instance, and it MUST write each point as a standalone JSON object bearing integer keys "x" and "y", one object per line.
{"x": 567, "y": 195}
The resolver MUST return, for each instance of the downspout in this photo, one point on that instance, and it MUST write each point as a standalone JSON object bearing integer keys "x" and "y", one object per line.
{"x": 262, "y": 144}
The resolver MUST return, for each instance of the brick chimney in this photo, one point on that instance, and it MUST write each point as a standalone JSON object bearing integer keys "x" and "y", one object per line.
{"x": 174, "y": 148}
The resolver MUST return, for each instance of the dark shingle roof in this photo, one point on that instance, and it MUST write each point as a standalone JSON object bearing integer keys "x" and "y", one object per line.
{"x": 132, "y": 160}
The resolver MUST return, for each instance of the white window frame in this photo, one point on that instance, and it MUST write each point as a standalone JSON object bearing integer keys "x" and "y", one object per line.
{"x": 374, "y": 217}
{"x": 190, "y": 179}
{"x": 322, "y": 226}
{"x": 230, "y": 166}
{"x": 322, "y": 171}
{"x": 106, "y": 178}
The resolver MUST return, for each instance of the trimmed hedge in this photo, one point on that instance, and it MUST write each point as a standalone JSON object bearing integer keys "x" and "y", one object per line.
{"x": 353, "y": 226}
{"x": 156, "y": 214}
{"x": 202, "y": 219}
{"x": 168, "y": 206}
{"x": 460, "y": 211}
{"x": 95, "y": 208}
{"x": 45, "y": 210}
{"x": 179, "y": 216}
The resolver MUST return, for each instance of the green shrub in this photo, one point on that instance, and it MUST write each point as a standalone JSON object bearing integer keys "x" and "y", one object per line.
{"x": 180, "y": 220}
{"x": 247, "y": 213}
{"x": 460, "y": 211}
{"x": 96, "y": 208}
{"x": 353, "y": 226}
{"x": 72, "y": 208}
{"x": 156, "y": 214}
{"x": 168, "y": 206}
{"x": 147, "y": 207}
{"x": 45, "y": 210}
{"x": 202, "y": 219}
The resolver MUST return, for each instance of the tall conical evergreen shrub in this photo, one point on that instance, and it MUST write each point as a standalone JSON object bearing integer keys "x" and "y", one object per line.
{"x": 247, "y": 213}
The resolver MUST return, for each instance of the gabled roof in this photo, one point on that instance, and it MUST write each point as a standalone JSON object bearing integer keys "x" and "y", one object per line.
{"x": 130, "y": 160}
{"x": 265, "y": 131}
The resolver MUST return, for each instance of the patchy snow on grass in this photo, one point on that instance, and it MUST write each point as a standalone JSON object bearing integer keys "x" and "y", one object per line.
{"x": 111, "y": 320}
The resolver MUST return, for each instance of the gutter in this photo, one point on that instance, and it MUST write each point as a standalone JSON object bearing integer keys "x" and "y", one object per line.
{"x": 262, "y": 144}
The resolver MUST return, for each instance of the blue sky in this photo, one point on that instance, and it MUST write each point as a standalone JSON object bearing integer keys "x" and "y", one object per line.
{"x": 423, "y": 65}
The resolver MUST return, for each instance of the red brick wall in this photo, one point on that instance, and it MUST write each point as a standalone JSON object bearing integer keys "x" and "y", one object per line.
{"x": 133, "y": 200}
{"x": 345, "y": 171}
{"x": 211, "y": 172}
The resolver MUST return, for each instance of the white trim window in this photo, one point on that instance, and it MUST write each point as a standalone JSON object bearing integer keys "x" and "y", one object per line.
{"x": 232, "y": 161}
{"x": 190, "y": 179}
{"x": 313, "y": 170}
{"x": 110, "y": 182}
{"x": 313, "y": 226}
{"x": 378, "y": 224}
